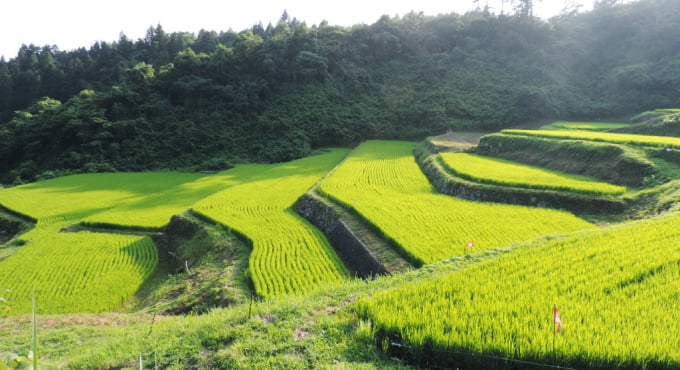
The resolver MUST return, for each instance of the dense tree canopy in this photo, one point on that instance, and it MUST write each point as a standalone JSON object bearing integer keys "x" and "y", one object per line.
{"x": 207, "y": 100}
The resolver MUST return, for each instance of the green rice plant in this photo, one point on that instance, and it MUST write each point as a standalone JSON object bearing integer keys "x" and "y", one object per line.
{"x": 289, "y": 255}
{"x": 667, "y": 110}
{"x": 507, "y": 173}
{"x": 642, "y": 140}
{"x": 382, "y": 183}
{"x": 76, "y": 272}
{"x": 125, "y": 199}
{"x": 617, "y": 290}
{"x": 92, "y": 272}
{"x": 588, "y": 126}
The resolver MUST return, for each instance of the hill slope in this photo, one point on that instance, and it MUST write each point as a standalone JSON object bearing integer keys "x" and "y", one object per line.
{"x": 207, "y": 101}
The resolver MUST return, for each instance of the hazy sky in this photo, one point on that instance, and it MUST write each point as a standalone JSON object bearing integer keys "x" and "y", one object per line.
{"x": 70, "y": 24}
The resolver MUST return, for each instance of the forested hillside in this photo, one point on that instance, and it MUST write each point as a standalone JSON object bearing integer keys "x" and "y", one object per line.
{"x": 205, "y": 101}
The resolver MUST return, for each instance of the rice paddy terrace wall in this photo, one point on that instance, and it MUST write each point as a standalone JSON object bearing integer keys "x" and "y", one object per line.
{"x": 358, "y": 258}
{"x": 605, "y": 161}
{"x": 381, "y": 182}
{"x": 448, "y": 183}
{"x": 289, "y": 254}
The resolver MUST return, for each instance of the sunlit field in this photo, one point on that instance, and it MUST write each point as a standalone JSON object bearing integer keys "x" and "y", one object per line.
{"x": 507, "y": 173}
{"x": 85, "y": 271}
{"x": 382, "y": 182}
{"x": 642, "y": 140}
{"x": 289, "y": 255}
{"x": 588, "y": 126}
{"x": 614, "y": 288}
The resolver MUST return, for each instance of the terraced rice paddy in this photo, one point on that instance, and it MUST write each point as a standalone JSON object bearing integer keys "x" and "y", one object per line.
{"x": 381, "y": 182}
{"x": 76, "y": 272}
{"x": 642, "y": 140}
{"x": 92, "y": 272}
{"x": 588, "y": 126}
{"x": 507, "y": 173}
{"x": 616, "y": 289}
{"x": 289, "y": 255}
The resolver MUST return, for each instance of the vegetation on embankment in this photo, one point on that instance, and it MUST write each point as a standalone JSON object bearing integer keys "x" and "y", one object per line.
{"x": 447, "y": 183}
{"x": 10, "y": 226}
{"x": 202, "y": 266}
{"x": 659, "y": 124}
{"x": 613, "y": 163}
{"x": 381, "y": 183}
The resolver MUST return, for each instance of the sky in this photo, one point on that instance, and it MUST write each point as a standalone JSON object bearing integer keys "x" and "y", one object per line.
{"x": 71, "y": 24}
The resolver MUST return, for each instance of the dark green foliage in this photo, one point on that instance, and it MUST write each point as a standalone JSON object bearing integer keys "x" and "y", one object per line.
{"x": 206, "y": 101}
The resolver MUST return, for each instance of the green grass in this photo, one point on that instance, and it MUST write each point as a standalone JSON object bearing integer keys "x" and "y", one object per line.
{"x": 667, "y": 110}
{"x": 588, "y": 126}
{"x": 289, "y": 254}
{"x": 507, "y": 173}
{"x": 615, "y": 289}
{"x": 313, "y": 330}
{"x": 382, "y": 183}
{"x": 642, "y": 140}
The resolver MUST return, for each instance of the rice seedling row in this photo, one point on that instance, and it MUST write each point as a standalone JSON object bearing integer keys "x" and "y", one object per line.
{"x": 76, "y": 272}
{"x": 507, "y": 173}
{"x": 92, "y": 272}
{"x": 381, "y": 182}
{"x": 615, "y": 289}
{"x": 642, "y": 140}
{"x": 289, "y": 254}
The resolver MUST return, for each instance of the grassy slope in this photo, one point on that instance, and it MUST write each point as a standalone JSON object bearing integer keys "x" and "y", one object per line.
{"x": 318, "y": 329}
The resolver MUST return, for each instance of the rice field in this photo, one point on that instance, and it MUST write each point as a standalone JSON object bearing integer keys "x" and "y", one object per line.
{"x": 76, "y": 272}
{"x": 642, "y": 140}
{"x": 616, "y": 290}
{"x": 84, "y": 271}
{"x": 587, "y": 126}
{"x": 289, "y": 254}
{"x": 125, "y": 199}
{"x": 382, "y": 183}
{"x": 507, "y": 173}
